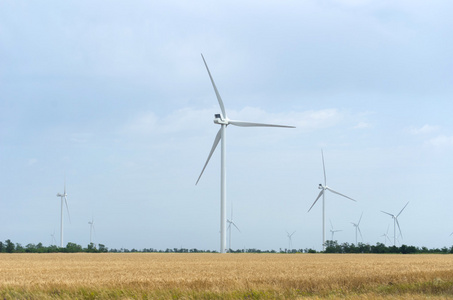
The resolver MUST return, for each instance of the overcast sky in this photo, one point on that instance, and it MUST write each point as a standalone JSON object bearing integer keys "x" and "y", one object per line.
{"x": 114, "y": 97}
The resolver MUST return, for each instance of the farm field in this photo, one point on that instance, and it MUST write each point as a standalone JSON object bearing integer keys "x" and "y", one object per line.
{"x": 227, "y": 276}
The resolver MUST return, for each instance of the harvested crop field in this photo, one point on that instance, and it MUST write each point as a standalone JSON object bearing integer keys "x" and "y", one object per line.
{"x": 224, "y": 276}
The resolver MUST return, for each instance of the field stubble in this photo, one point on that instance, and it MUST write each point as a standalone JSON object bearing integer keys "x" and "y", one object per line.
{"x": 208, "y": 276}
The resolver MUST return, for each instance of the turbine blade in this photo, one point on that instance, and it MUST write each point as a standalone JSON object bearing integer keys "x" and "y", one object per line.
{"x": 251, "y": 124}
{"x": 388, "y": 213}
{"x": 319, "y": 195}
{"x": 214, "y": 146}
{"x": 236, "y": 226}
{"x": 331, "y": 226}
{"x": 358, "y": 228}
{"x": 222, "y": 107}
{"x": 360, "y": 219}
{"x": 324, "y": 168}
{"x": 67, "y": 208}
{"x": 399, "y": 228}
{"x": 402, "y": 209}
{"x": 340, "y": 194}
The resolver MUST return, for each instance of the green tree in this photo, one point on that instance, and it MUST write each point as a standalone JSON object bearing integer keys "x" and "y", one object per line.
{"x": 73, "y": 248}
{"x": 332, "y": 247}
{"x": 91, "y": 248}
{"x": 31, "y": 248}
{"x": 9, "y": 246}
{"x": 103, "y": 248}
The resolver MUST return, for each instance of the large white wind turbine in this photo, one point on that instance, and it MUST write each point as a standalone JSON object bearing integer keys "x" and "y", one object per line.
{"x": 332, "y": 230}
{"x": 357, "y": 228}
{"x": 323, "y": 189}
{"x": 395, "y": 223}
{"x": 63, "y": 199}
{"x": 290, "y": 240}
{"x": 222, "y": 120}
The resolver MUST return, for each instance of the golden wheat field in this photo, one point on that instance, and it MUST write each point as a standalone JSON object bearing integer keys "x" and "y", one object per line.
{"x": 224, "y": 276}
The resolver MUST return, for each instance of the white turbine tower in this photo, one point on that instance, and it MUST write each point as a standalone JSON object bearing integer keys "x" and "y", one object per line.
{"x": 63, "y": 199}
{"x": 223, "y": 121}
{"x": 91, "y": 228}
{"x": 357, "y": 228}
{"x": 332, "y": 230}
{"x": 395, "y": 223}
{"x": 230, "y": 222}
{"x": 290, "y": 240}
{"x": 323, "y": 189}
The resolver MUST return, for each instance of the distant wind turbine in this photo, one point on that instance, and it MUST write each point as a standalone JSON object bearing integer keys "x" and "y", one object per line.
{"x": 386, "y": 236}
{"x": 290, "y": 240}
{"x": 323, "y": 189}
{"x": 357, "y": 228}
{"x": 91, "y": 228}
{"x": 222, "y": 120}
{"x": 63, "y": 199}
{"x": 54, "y": 242}
{"x": 332, "y": 230}
{"x": 395, "y": 223}
{"x": 230, "y": 222}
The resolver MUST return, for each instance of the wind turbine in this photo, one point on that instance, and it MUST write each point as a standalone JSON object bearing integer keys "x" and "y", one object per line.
{"x": 91, "y": 227}
{"x": 230, "y": 222}
{"x": 290, "y": 240}
{"x": 63, "y": 196}
{"x": 323, "y": 189}
{"x": 357, "y": 228}
{"x": 332, "y": 230}
{"x": 395, "y": 223}
{"x": 222, "y": 120}
{"x": 54, "y": 242}
{"x": 386, "y": 236}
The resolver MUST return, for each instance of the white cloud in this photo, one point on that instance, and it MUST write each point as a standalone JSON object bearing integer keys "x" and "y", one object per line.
{"x": 441, "y": 141}
{"x": 425, "y": 129}
{"x": 32, "y": 161}
{"x": 362, "y": 125}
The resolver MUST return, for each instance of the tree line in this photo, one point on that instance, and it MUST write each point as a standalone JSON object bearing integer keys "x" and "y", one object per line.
{"x": 334, "y": 247}
{"x": 10, "y": 247}
{"x": 331, "y": 247}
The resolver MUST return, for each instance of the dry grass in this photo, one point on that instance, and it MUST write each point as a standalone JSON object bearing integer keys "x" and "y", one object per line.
{"x": 231, "y": 276}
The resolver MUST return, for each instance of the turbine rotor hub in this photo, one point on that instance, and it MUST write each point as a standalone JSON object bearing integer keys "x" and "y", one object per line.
{"x": 218, "y": 119}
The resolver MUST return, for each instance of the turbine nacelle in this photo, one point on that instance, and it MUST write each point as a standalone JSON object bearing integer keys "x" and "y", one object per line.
{"x": 218, "y": 119}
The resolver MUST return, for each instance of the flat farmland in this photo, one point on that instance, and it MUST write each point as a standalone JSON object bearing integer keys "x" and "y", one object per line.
{"x": 224, "y": 276}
